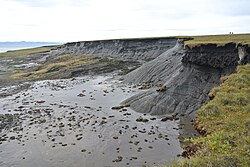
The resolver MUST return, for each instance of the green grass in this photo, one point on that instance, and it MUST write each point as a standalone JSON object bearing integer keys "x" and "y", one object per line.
{"x": 4, "y": 75}
{"x": 204, "y": 39}
{"x": 217, "y": 39}
{"x": 56, "y": 66}
{"x": 226, "y": 121}
{"x": 27, "y": 51}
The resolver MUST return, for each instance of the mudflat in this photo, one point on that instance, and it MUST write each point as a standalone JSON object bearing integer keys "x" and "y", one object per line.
{"x": 74, "y": 122}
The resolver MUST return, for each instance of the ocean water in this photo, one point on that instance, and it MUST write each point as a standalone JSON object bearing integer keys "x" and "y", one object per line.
{"x": 5, "y": 49}
{"x": 7, "y": 46}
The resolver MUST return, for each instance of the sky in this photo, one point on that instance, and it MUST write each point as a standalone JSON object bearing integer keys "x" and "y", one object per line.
{"x": 79, "y": 20}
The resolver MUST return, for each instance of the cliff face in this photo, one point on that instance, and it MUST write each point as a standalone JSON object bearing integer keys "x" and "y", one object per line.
{"x": 187, "y": 74}
{"x": 139, "y": 49}
{"x": 212, "y": 55}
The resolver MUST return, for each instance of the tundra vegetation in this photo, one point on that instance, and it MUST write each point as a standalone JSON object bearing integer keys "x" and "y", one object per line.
{"x": 54, "y": 67}
{"x": 224, "y": 122}
{"x": 14, "y": 65}
{"x": 72, "y": 65}
{"x": 243, "y": 39}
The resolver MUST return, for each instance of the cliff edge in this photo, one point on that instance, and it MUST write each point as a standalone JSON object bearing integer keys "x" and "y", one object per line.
{"x": 184, "y": 77}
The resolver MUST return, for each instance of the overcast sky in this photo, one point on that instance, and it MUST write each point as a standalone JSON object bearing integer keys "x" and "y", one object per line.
{"x": 77, "y": 20}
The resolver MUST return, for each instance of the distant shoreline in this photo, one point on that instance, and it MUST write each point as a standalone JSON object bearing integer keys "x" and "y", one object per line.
{"x": 10, "y": 46}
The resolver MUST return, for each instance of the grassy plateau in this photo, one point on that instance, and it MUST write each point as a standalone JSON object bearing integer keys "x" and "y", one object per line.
{"x": 217, "y": 39}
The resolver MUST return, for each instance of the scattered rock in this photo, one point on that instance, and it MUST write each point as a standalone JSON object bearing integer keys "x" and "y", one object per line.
{"x": 81, "y": 95}
{"x": 83, "y": 150}
{"x": 117, "y": 107}
{"x": 141, "y": 119}
{"x": 136, "y": 142}
{"x": 79, "y": 138}
{"x": 139, "y": 149}
{"x": 133, "y": 158}
{"x": 40, "y": 101}
{"x": 12, "y": 138}
{"x": 161, "y": 89}
{"x": 119, "y": 159}
{"x": 169, "y": 117}
{"x": 121, "y": 107}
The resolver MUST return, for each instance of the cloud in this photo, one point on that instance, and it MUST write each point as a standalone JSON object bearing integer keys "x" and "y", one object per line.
{"x": 228, "y": 7}
{"x": 72, "y": 20}
{"x": 51, "y": 3}
{"x": 26, "y": 25}
{"x": 37, "y": 3}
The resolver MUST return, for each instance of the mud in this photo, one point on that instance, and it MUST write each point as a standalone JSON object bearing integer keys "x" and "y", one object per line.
{"x": 80, "y": 121}
{"x": 135, "y": 49}
{"x": 181, "y": 79}
{"x": 73, "y": 122}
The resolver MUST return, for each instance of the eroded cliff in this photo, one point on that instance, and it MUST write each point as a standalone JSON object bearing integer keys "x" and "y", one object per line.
{"x": 187, "y": 75}
{"x": 179, "y": 77}
{"x": 139, "y": 49}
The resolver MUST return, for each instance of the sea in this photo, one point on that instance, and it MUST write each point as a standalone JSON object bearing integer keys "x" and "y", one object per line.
{"x": 9, "y": 46}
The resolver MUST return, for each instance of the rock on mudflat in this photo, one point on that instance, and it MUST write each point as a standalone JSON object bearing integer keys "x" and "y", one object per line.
{"x": 169, "y": 117}
{"x": 119, "y": 159}
{"x": 81, "y": 95}
{"x": 141, "y": 119}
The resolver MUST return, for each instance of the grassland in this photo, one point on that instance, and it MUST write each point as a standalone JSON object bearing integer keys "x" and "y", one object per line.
{"x": 55, "y": 67}
{"x": 27, "y": 51}
{"x": 217, "y": 39}
{"x": 9, "y": 61}
{"x": 226, "y": 122}
{"x": 72, "y": 65}
{"x": 205, "y": 39}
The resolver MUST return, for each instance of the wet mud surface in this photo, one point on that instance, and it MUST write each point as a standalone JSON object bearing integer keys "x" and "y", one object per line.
{"x": 79, "y": 122}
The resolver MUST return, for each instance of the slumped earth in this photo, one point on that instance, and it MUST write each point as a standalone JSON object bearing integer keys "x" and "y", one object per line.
{"x": 73, "y": 122}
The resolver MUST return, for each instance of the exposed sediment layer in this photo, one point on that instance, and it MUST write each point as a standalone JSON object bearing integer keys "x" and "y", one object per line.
{"x": 139, "y": 49}
{"x": 212, "y": 55}
{"x": 188, "y": 75}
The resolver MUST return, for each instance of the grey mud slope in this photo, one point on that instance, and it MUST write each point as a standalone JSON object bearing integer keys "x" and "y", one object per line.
{"x": 188, "y": 74}
{"x": 136, "y": 49}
